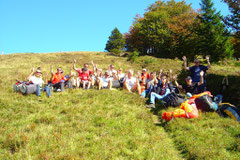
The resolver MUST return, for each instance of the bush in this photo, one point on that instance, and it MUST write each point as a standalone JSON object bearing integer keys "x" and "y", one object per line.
{"x": 115, "y": 51}
{"x": 133, "y": 56}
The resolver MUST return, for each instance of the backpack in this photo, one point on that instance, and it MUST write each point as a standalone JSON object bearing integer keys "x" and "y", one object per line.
{"x": 204, "y": 102}
{"x": 24, "y": 87}
{"x": 173, "y": 99}
{"x": 229, "y": 110}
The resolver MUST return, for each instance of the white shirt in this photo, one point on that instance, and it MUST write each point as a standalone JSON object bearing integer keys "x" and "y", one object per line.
{"x": 122, "y": 75}
{"x": 105, "y": 81}
{"x": 131, "y": 82}
{"x": 36, "y": 80}
{"x": 111, "y": 71}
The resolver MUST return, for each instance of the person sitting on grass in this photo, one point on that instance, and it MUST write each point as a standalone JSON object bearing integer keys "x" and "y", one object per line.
{"x": 36, "y": 78}
{"x": 105, "y": 81}
{"x": 190, "y": 88}
{"x": 121, "y": 76}
{"x": 111, "y": 70}
{"x": 115, "y": 80}
{"x": 84, "y": 79}
{"x": 88, "y": 71}
{"x": 151, "y": 84}
{"x": 131, "y": 83}
{"x": 163, "y": 91}
{"x": 57, "y": 78}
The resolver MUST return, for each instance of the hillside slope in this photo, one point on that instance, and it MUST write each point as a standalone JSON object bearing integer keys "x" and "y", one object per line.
{"x": 93, "y": 124}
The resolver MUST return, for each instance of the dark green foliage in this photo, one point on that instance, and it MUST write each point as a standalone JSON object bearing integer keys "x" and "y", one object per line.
{"x": 233, "y": 21}
{"x": 213, "y": 38}
{"x": 164, "y": 31}
{"x": 133, "y": 56}
{"x": 115, "y": 42}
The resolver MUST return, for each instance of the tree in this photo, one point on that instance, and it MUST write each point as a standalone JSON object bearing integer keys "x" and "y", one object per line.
{"x": 213, "y": 36}
{"x": 233, "y": 21}
{"x": 166, "y": 30}
{"x": 115, "y": 42}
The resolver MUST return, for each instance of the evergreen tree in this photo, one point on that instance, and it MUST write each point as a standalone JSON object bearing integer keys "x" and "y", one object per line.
{"x": 115, "y": 42}
{"x": 213, "y": 36}
{"x": 233, "y": 21}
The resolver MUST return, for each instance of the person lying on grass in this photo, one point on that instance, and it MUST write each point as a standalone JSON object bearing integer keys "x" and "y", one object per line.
{"x": 105, "y": 81}
{"x": 131, "y": 83}
{"x": 162, "y": 91}
{"x": 88, "y": 71}
{"x": 195, "y": 71}
{"x": 58, "y": 80}
{"x": 189, "y": 88}
{"x": 36, "y": 78}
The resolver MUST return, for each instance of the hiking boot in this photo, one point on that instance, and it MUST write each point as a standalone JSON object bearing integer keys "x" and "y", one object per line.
{"x": 151, "y": 106}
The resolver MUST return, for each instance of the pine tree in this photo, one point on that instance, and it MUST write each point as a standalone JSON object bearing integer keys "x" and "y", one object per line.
{"x": 233, "y": 21}
{"x": 212, "y": 33}
{"x": 115, "y": 42}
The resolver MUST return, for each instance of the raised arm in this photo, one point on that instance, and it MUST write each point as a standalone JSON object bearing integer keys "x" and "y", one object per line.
{"x": 74, "y": 64}
{"x": 185, "y": 63}
{"x": 46, "y": 78}
{"x": 201, "y": 75}
{"x": 30, "y": 75}
{"x": 176, "y": 83}
{"x": 208, "y": 62}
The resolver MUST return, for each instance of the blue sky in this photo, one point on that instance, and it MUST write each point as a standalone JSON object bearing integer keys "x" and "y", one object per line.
{"x": 68, "y": 25}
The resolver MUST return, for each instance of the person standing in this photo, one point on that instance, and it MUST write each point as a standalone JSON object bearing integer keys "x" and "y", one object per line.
{"x": 195, "y": 72}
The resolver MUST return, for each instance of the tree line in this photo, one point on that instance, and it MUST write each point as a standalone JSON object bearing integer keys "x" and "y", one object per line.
{"x": 173, "y": 29}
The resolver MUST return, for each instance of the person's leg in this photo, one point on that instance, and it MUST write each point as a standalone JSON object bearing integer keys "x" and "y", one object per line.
{"x": 62, "y": 86}
{"x": 48, "y": 91}
{"x": 88, "y": 84}
{"x": 110, "y": 84}
{"x": 99, "y": 84}
{"x": 38, "y": 90}
{"x": 78, "y": 82}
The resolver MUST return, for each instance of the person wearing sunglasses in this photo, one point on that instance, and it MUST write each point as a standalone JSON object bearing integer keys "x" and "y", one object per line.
{"x": 162, "y": 91}
{"x": 57, "y": 80}
{"x": 195, "y": 71}
{"x": 35, "y": 77}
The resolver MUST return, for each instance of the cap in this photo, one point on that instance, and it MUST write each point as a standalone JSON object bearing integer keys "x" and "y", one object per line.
{"x": 188, "y": 78}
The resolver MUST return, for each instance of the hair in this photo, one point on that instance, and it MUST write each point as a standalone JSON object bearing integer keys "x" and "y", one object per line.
{"x": 86, "y": 64}
{"x": 131, "y": 71}
{"x": 164, "y": 75}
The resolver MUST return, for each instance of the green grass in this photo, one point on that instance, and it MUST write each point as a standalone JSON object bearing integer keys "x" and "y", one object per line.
{"x": 93, "y": 124}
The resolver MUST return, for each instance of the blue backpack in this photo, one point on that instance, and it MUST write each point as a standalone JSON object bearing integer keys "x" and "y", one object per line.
{"x": 229, "y": 110}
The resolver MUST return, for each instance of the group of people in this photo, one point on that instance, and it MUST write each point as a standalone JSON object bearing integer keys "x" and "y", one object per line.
{"x": 147, "y": 84}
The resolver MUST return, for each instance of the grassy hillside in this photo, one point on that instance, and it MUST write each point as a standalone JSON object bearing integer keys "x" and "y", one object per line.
{"x": 93, "y": 124}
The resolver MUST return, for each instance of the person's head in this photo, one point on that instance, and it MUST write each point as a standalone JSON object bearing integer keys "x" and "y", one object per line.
{"x": 86, "y": 65}
{"x": 196, "y": 62}
{"x": 111, "y": 66}
{"x": 189, "y": 80}
{"x": 120, "y": 70}
{"x": 152, "y": 76}
{"x": 130, "y": 73}
{"x": 164, "y": 78}
{"x": 106, "y": 74}
{"x": 84, "y": 70}
{"x": 59, "y": 70}
{"x": 38, "y": 73}
{"x": 144, "y": 70}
